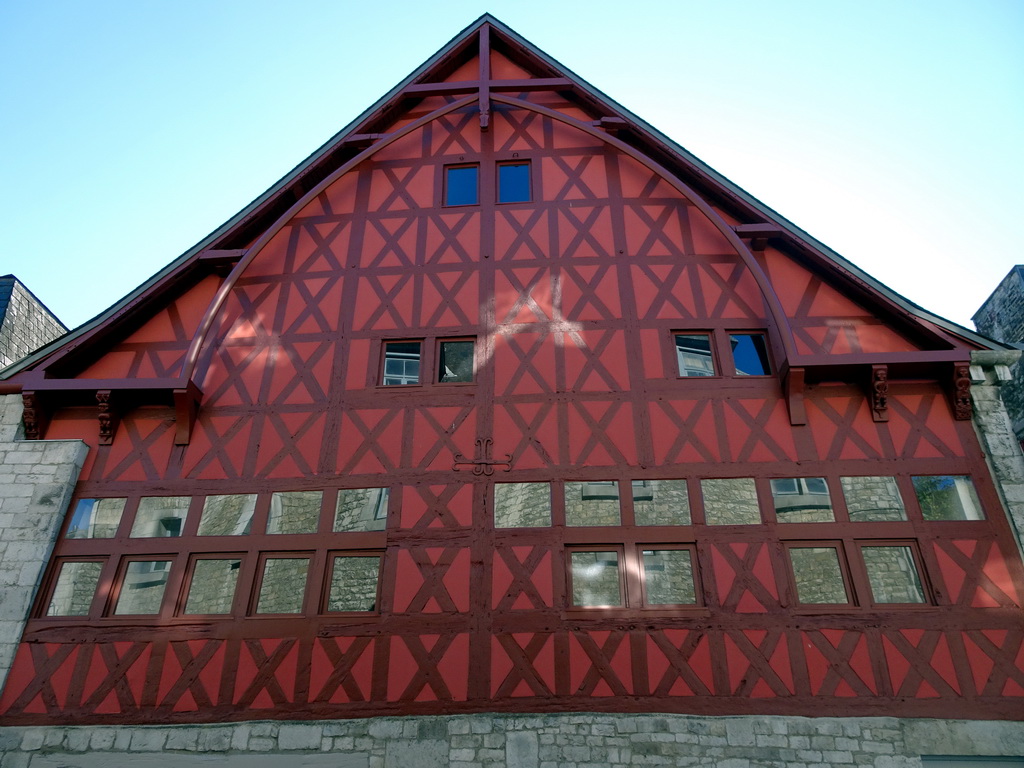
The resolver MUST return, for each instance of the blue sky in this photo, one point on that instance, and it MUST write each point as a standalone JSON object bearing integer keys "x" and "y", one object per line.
{"x": 891, "y": 131}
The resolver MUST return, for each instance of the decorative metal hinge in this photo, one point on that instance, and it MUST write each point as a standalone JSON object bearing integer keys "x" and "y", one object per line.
{"x": 482, "y": 463}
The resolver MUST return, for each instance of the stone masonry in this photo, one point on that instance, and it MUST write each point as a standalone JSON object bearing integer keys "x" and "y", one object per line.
{"x": 36, "y": 482}
{"x": 579, "y": 740}
{"x": 1002, "y": 318}
{"x": 25, "y": 322}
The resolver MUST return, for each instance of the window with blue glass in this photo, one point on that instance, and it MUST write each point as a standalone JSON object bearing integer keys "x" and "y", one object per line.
{"x": 514, "y": 182}
{"x": 462, "y": 185}
{"x": 749, "y": 354}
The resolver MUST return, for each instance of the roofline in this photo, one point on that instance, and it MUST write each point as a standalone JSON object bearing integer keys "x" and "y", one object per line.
{"x": 769, "y": 213}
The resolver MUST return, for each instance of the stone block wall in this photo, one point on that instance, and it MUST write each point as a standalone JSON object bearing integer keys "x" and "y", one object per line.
{"x": 36, "y": 482}
{"x": 25, "y": 322}
{"x": 579, "y": 740}
{"x": 1001, "y": 317}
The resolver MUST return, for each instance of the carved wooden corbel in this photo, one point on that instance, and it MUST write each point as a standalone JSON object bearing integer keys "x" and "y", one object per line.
{"x": 962, "y": 409}
{"x": 108, "y": 416}
{"x": 878, "y": 391}
{"x": 34, "y": 416}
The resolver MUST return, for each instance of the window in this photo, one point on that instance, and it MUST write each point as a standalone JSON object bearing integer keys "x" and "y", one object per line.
{"x": 455, "y": 361}
{"x": 693, "y": 354}
{"x": 633, "y": 576}
{"x": 462, "y": 185}
{"x": 818, "y": 575}
{"x": 730, "y": 501}
{"x": 873, "y": 499}
{"x": 893, "y": 574}
{"x": 593, "y": 503}
{"x": 212, "y": 586}
{"x": 353, "y": 583}
{"x": 749, "y": 354}
{"x": 294, "y": 512}
{"x": 947, "y": 497}
{"x": 596, "y": 578}
{"x": 401, "y": 363}
{"x": 76, "y": 585}
{"x": 95, "y": 519}
{"x": 142, "y": 587}
{"x": 668, "y": 577}
{"x": 411, "y": 361}
{"x": 283, "y": 585}
{"x": 802, "y": 500}
{"x": 661, "y": 502}
{"x": 514, "y": 182}
{"x": 228, "y": 515}
{"x": 160, "y": 516}
{"x": 361, "y": 509}
{"x": 522, "y": 505}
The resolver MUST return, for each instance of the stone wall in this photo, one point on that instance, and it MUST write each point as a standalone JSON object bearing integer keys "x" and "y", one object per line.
{"x": 36, "y": 482}
{"x": 1002, "y": 318}
{"x": 582, "y": 740}
{"x": 25, "y": 323}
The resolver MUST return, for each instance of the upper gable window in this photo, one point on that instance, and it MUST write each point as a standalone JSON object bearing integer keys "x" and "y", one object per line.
{"x": 693, "y": 353}
{"x": 462, "y": 185}
{"x": 749, "y": 354}
{"x": 514, "y": 182}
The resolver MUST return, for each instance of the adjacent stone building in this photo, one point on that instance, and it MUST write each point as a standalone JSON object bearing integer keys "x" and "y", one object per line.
{"x": 503, "y": 431}
{"x": 1001, "y": 317}
{"x": 25, "y": 322}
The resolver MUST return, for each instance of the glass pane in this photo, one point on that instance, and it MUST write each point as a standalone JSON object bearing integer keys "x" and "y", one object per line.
{"x": 460, "y": 185}
{"x": 361, "y": 509}
{"x": 76, "y": 585}
{"x": 593, "y": 503}
{"x": 294, "y": 512}
{"x": 402, "y": 363}
{"x": 750, "y": 354}
{"x": 661, "y": 502}
{"x": 284, "y": 585}
{"x": 595, "y": 579}
{"x": 668, "y": 577}
{"x": 142, "y": 590}
{"x": 731, "y": 501}
{"x": 95, "y": 518}
{"x": 213, "y": 586}
{"x": 802, "y": 500}
{"x": 456, "y": 361}
{"x": 893, "y": 575}
{"x": 873, "y": 499}
{"x": 522, "y": 505}
{"x": 160, "y": 516}
{"x": 948, "y": 497}
{"x": 354, "y": 584}
{"x": 227, "y": 515}
{"x": 819, "y": 579}
{"x": 513, "y": 182}
{"x": 693, "y": 353}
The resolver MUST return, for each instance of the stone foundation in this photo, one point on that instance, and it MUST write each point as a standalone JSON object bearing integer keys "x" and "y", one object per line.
{"x": 585, "y": 740}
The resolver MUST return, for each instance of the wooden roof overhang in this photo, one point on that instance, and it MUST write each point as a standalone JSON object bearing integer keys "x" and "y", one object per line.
{"x": 47, "y": 379}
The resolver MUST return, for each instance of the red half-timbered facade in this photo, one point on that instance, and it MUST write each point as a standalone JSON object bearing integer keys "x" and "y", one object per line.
{"x": 503, "y": 402}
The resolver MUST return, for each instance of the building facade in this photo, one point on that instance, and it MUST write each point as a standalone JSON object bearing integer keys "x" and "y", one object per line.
{"x": 505, "y": 431}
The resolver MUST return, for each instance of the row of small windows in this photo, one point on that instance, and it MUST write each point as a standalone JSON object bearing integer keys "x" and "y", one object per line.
{"x": 603, "y": 576}
{"x": 726, "y": 501}
{"x": 600, "y": 576}
{"x": 696, "y": 357}
{"x": 512, "y": 184}
{"x": 211, "y": 586}
{"x": 408, "y": 362}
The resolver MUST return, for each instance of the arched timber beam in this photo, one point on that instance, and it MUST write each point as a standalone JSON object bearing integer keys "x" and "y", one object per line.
{"x": 784, "y": 331}
{"x": 188, "y": 369}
